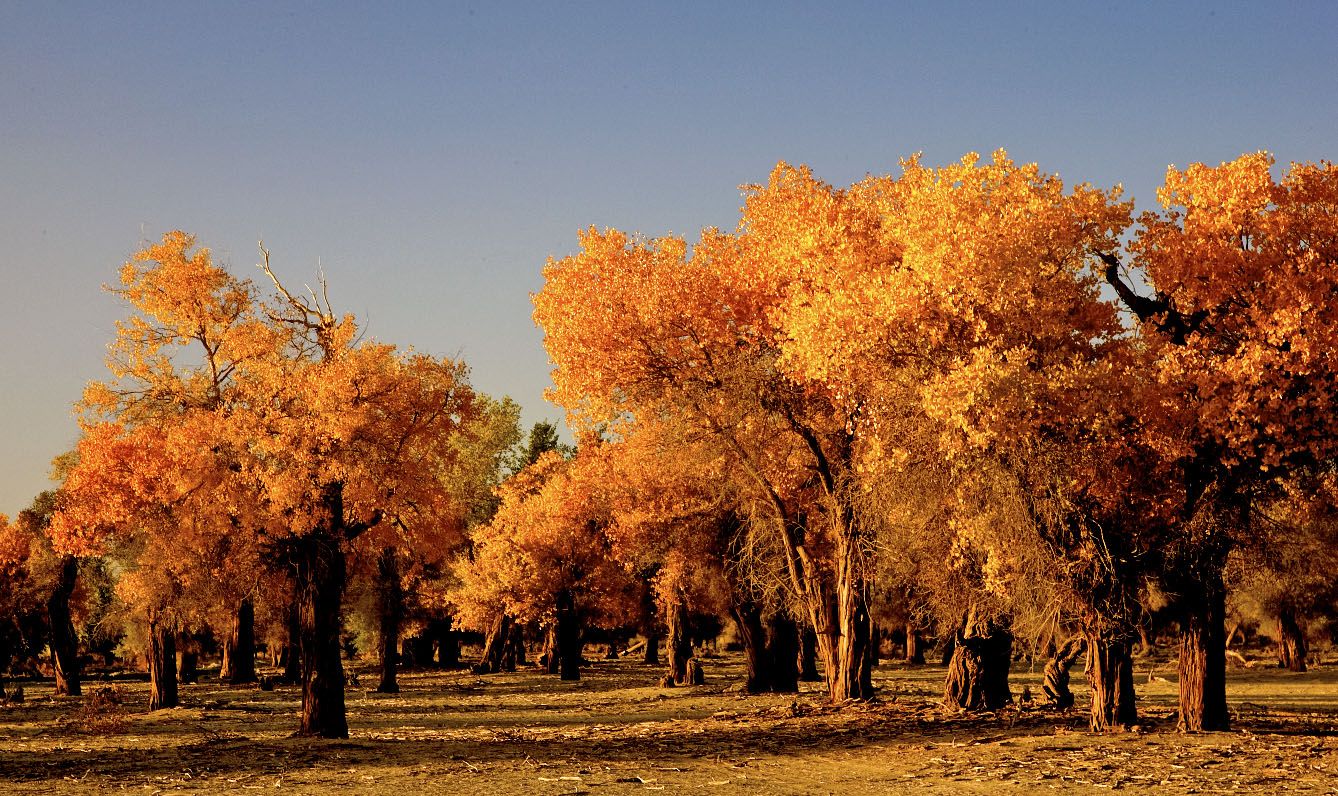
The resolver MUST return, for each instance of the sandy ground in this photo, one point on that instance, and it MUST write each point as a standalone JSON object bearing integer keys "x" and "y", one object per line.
{"x": 615, "y": 732}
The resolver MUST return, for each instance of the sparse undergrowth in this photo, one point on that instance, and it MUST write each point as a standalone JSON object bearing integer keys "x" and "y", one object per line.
{"x": 614, "y": 732}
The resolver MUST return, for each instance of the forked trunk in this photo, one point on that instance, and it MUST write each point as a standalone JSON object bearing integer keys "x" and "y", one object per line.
{"x": 390, "y": 601}
{"x": 1056, "y": 682}
{"x": 1110, "y": 672}
{"x": 64, "y": 642}
{"x": 494, "y": 647}
{"x": 162, "y": 666}
{"x": 568, "y": 636}
{"x": 1291, "y": 641}
{"x": 240, "y": 649}
{"x": 320, "y": 586}
{"x": 1202, "y": 670}
{"x": 679, "y": 646}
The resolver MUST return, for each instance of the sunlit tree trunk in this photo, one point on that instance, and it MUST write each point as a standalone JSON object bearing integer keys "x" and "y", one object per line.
{"x": 390, "y": 599}
{"x": 494, "y": 646}
{"x": 678, "y": 645}
{"x": 162, "y": 665}
{"x": 915, "y": 653}
{"x": 64, "y": 642}
{"x": 1202, "y": 669}
{"x": 1056, "y": 676}
{"x": 1110, "y": 673}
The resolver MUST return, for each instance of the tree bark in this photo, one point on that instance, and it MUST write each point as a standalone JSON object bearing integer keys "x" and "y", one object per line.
{"x": 1110, "y": 673}
{"x": 783, "y": 653}
{"x": 1202, "y": 670}
{"x": 1291, "y": 641}
{"x": 390, "y": 601}
{"x": 240, "y": 649}
{"x": 64, "y": 642}
{"x": 978, "y": 669}
{"x": 320, "y": 586}
{"x": 915, "y": 651}
{"x": 568, "y": 636}
{"x": 494, "y": 647}
{"x": 679, "y": 646}
{"x": 292, "y": 651}
{"x": 1056, "y": 682}
{"x": 748, "y": 616}
{"x": 162, "y": 666}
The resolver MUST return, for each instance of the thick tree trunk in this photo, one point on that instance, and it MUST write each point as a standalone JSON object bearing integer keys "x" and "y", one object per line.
{"x": 1110, "y": 672}
{"x": 320, "y": 587}
{"x": 239, "y": 651}
{"x": 1291, "y": 641}
{"x": 1203, "y": 706}
{"x": 748, "y": 616}
{"x": 494, "y": 647}
{"x": 978, "y": 670}
{"x": 915, "y": 651}
{"x": 651, "y": 654}
{"x": 568, "y": 637}
{"x": 64, "y": 642}
{"x": 1056, "y": 682}
{"x": 162, "y": 666}
{"x": 448, "y": 643}
{"x": 390, "y": 602}
{"x": 679, "y": 646}
{"x": 516, "y": 649}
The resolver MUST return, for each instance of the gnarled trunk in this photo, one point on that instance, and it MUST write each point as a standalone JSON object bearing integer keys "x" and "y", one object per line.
{"x": 1291, "y": 641}
{"x": 568, "y": 637}
{"x": 1202, "y": 670}
{"x": 1110, "y": 672}
{"x": 1056, "y": 682}
{"x": 390, "y": 602}
{"x": 915, "y": 651}
{"x": 64, "y": 642}
{"x": 320, "y": 570}
{"x": 978, "y": 670}
{"x": 239, "y": 650}
{"x": 162, "y": 665}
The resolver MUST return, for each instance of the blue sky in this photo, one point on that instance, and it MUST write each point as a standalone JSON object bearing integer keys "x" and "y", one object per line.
{"x": 431, "y": 157}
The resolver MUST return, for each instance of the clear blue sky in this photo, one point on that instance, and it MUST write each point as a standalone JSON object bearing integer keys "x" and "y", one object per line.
{"x": 432, "y": 157}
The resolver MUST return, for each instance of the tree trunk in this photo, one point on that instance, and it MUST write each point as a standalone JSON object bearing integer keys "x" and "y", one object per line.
{"x": 783, "y": 653}
{"x": 1056, "y": 683}
{"x": 808, "y": 656}
{"x": 518, "y": 644}
{"x": 162, "y": 666}
{"x": 1110, "y": 672}
{"x": 1291, "y": 641}
{"x": 494, "y": 647}
{"x": 320, "y": 588}
{"x": 390, "y": 602}
{"x": 448, "y": 643}
{"x": 64, "y": 642}
{"x": 915, "y": 651}
{"x": 748, "y": 616}
{"x": 240, "y": 648}
{"x": 1202, "y": 670}
{"x": 188, "y": 659}
{"x": 678, "y": 645}
{"x": 978, "y": 670}
{"x": 568, "y": 636}
{"x": 651, "y": 654}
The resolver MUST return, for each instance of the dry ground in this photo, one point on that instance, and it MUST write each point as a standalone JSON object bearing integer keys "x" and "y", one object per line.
{"x": 614, "y": 732}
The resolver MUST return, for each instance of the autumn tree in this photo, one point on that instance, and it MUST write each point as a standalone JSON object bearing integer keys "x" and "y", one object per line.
{"x": 1230, "y": 285}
